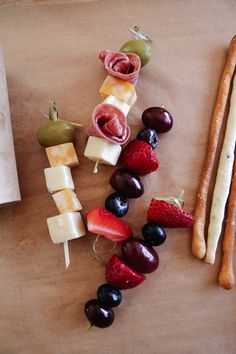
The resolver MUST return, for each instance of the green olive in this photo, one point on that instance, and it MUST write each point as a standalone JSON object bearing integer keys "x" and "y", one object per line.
{"x": 141, "y": 48}
{"x": 55, "y": 133}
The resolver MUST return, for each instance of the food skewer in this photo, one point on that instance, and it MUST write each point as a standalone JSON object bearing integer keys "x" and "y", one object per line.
{"x": 223, "y": 179}
{"x": 226, "y": 276}
{"x": 198, "y": 241}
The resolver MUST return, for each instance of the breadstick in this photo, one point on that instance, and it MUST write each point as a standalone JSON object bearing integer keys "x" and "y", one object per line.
{"x": 223, "y": 179}
{"x": 226, "y": 276}
{"x": 198, "y": 241}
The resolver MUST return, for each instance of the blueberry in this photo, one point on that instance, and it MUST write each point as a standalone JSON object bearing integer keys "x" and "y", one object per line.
{"x": 109, "y": 296}
{"x": 149, "y": 135}
{"x": 153, "y": 234}
{"x": 117, "y": 205}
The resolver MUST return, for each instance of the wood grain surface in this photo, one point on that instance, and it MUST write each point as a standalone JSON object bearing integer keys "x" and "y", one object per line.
{"x": 51, "y": 52}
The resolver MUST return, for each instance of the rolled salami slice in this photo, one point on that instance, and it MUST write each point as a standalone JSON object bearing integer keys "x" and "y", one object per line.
{"x": 124, "y": 66}
{"x": 109, "y": 122}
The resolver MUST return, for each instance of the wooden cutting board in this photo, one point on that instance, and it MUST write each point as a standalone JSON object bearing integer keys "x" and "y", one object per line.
{"x": 51, "y": 52}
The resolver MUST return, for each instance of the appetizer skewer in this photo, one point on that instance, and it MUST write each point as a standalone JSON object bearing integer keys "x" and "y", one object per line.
{"x": 57, "y": 137}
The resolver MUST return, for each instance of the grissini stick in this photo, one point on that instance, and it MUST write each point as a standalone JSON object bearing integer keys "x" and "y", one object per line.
{"x": 226, "y": 276}
{"x": 198, "y": 240}
{"x": 223, "y": 180}
{"x": 10, "y": 191}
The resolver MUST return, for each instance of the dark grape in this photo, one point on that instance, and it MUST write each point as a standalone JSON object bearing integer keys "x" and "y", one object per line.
{"x": 117, "y": 205}
{"x": 153, "y": 234}
{"x": 157, "y": 118}
{"x": 128, "y": 184}
{"x": 139, "y": 255}
{"x": 109, "y": 296}
{"x": 98, "y": 315}
{"x": 148, "y": 135}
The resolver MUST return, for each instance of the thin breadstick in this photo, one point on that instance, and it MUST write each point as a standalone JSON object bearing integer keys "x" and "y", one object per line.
{"x": 223, "y": 179}
{"x": 198, "y": 240}
{"x": 226, "y": 276}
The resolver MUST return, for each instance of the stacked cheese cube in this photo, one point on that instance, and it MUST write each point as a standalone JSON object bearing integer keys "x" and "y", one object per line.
{"x": 68, "y": 224}
{"x": 122, "y": 95}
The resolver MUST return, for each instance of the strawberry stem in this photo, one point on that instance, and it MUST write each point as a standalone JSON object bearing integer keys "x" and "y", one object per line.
{"x": 178, "y": 202}
{"x": 97, "y": 254}
{"x": 89, "y": 327}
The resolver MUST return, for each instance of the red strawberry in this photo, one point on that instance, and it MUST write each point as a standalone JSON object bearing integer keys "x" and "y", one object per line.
{"x": 139, "y": 156}
{"x": 102, "y": 222}
{"x": 168, "y": 215}
{"x": 119, "y": 275}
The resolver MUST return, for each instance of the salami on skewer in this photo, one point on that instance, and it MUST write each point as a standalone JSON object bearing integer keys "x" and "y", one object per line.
{"x": 109, "y": 122}
{"x": 123, "y": 66}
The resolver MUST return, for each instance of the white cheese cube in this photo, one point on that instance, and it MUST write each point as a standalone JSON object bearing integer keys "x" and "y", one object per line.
{"x": 58, "y": 178}
{"x": 65, "y": 227}
{"x": 124, "y": 107}
{"x": 101, "y": 150}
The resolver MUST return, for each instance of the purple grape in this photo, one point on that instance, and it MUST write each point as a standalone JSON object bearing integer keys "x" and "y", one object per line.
{"x": 139, "y": 255}
{"x": 98, "y": 315}
{"x": 128, "y": 184}
{"x": 157, "y": 118}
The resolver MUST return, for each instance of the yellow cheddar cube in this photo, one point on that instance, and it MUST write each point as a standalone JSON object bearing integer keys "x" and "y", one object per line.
{"x": 63, "y": 154}
{"x": 66, "y": 201}
{"x": 121, "y": 89}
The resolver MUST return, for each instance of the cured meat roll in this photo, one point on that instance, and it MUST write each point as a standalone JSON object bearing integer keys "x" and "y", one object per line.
{"x": 109, "y": 122}
{"x": 123, "y": 66}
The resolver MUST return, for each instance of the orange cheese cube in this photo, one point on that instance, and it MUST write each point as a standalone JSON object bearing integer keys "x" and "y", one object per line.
{"x": 63, "y": 154}
{"x": 66, "y": 201}
{"x": 121, "y": 89}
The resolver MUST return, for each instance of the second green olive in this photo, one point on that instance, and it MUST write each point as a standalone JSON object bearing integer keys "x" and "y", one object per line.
{"x": 55, "y": 133}
{"x": 141, "y": 48}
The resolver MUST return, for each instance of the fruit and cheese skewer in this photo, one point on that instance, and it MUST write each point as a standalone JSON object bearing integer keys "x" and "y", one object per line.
{"x": 119, "y": 94}
{"x": 138, "y": 257}
{"x": 57, "y": 137}
{"x": 226, "y": 276}
{"x": 223, "y": 179}
{"x": 198, "y": 241}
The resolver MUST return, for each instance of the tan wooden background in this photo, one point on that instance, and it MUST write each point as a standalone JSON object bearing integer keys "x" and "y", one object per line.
{"x": 51, "y": 52}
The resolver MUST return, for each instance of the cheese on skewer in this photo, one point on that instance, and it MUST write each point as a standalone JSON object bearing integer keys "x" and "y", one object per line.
{"x": 65, "y": 227}
{"x": 66, "y": 200}
{"x": 101, "y": 150}
{"x": 124, "y": 107}
{"x": 58, "y": 178}
{"x": 122, "y": 90}
{"x": 63, "y": 154}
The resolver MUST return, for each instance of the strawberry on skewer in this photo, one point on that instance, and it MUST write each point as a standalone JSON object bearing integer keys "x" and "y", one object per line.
{"x": 139, "y": 157}
{"x": 102, "y": 222}
{"x": 168, "y": 214}
{"x": 119, "y": 275}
